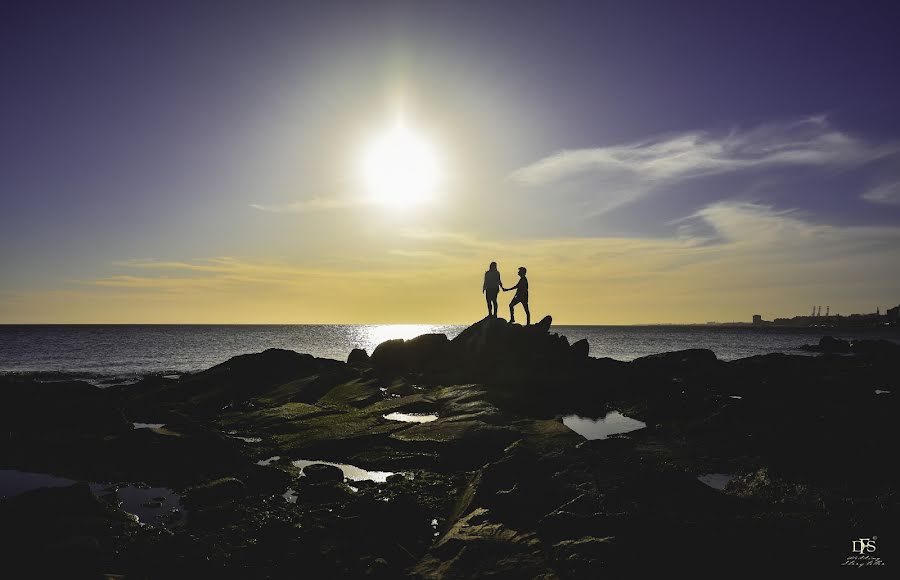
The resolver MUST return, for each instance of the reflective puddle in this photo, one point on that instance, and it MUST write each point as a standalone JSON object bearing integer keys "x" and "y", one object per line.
{"x": 268, "y": 461}
{"x": 882, "y": 392}
{"x": 234, "y": 435}
{"x": 149, "y": 425}
{"x": 154, "y": 505}
{"x": 149, "y": 504}
{"x": 351, "y": 472}
{"x": 14, "y": 482}
{"x": 716, "y": 480}
{"x": 613, "y": 423}
{"x": 411, "y": 417}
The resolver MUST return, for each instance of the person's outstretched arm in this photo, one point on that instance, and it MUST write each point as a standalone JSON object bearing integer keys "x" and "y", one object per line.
{"x": 513, "y": 288}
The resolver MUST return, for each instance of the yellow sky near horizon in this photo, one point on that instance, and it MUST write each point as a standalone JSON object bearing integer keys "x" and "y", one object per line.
{"x": 783, "y": 268}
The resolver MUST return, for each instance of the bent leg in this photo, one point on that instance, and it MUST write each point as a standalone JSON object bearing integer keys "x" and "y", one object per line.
{"x": 512, "y": 304}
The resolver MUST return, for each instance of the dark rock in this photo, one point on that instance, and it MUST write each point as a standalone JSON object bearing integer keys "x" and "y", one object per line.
{"x": 61, "y": 532}
{"x": 544, "y": 324}
{"x": 877, "y": 347}
{"x": 476, "y": 543}
{"x": 582, "y": 557}
{"x": 358, "y": 356}
{"x": 422, "y": 352}
{"x": 319, "y": 472}
{"x": 690, "y": 358}
{"x": 356, "y": 393}
{"x": 71, "y": 407}
{"x": 214, "y": 492}
{"x": 829, "y": 344}
{"x": 319, "y": 492}
{"x": 493, "y": 350}
{"x": 390, "y": 354}
{"x": 233, "y": 382}
{"x": 581, "y": 348}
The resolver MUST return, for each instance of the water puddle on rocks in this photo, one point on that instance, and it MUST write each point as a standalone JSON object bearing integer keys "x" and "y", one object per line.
{"x": 14, "y": 482}
{"x": 411, "y": 417}
{"x": 149, "y": 504}
{"x": 351, "y": 472}
{"x": 716, "y": 480}
{"x": 234, "y": 435}
{"x": 613, "y": 423}
{"x": 268, "y": 461}
{"x": 149, "y": 425}
{"x": 153, "y": 505}
{"x": 882, "y": 392}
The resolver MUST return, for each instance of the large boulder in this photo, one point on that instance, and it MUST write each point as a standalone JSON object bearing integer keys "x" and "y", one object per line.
{"x": 876, "y": 347}
{"x": 581, "y": 348}
{"x": 232, "y": 383}
{"x": 494, "y": 350}
{"x": 358, "y": 356}
{"x": 60, "y": 407}
{"x": 215, "y": 492}
{"x": 423, "y": 352}
{"x": 61, "y": 532}
{"x": 828, "y": 344}
{"x": 319, "y": 472}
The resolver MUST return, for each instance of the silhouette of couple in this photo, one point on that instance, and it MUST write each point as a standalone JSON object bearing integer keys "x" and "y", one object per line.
{"x": 492, "y": 286}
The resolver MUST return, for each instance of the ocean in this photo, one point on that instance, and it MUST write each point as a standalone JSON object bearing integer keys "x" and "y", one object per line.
{"x": 108, "y": 354}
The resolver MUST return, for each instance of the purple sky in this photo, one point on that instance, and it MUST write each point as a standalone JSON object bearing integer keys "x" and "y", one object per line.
{"x": 148, "y": 130}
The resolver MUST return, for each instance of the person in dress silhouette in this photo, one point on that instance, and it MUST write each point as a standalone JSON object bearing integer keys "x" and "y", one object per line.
{"x": 491, "y": 288}
{"x": 521, "y": 296}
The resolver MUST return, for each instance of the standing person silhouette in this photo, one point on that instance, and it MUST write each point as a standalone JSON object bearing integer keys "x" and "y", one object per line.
{"x": 491, "y": 288}
{"x": 521, "y": 297}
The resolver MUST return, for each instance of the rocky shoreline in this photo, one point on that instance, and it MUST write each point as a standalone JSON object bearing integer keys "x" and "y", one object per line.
{"x": 769, "y": 462}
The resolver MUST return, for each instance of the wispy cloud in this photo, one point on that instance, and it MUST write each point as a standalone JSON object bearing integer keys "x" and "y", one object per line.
{"x": 621, "y": 173}
{"x": 811, "y": 141}
{"x": 886, "y": 194}
{"x": 315, "y": 204}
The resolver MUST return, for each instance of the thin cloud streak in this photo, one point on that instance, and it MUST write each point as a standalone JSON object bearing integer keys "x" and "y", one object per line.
{"x": 808, "y": 142}
{"x": 618, "y": 174}
{"x": 885, "y": 194}
{"x": 315, "y": 204}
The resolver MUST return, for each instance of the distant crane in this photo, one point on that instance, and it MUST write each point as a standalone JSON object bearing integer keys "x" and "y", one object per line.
{"x": 827, "y": 310}
{"x": 814, "y": 312}
{"x": 820, "y": 311}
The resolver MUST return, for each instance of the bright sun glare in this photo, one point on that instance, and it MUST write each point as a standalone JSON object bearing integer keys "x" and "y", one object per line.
{"x": 400, "y": 168}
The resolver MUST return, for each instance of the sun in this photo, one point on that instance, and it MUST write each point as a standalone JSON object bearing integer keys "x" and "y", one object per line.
{"x": 400, "y": 168}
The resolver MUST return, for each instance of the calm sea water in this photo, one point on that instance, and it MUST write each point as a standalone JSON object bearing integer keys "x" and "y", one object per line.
{"x": 111, "y": 353}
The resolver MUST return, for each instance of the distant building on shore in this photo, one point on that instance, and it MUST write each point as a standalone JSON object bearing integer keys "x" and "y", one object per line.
{"x": 891, "y": 317}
